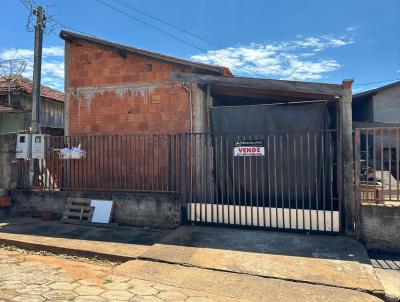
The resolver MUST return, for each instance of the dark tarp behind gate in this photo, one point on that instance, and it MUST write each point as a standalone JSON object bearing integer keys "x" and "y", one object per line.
{"x": 296, "y": 170}
{"x": 267, "y": 118}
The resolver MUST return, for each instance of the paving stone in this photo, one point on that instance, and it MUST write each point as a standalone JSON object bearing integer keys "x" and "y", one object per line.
{"x": 7, "y": 294}
{"x": 89, "y": 299}
{"x": 11, "y": 285}
{"x": 200, "y": 299}
{"x": 16, "y": 276}
{"x": 63, "y": 285}
{"x": 143, "y": 290}
{"x": 164, "y": 287}
{"x": 85, "y": 282}
{"x": 172, "y": 296}
{"x": 37, "y": 279}
{"x": 59, "y": 294}
{"x": 25, "y": 298}
{"x": 139, "y": 298}
{"x": 117, "y": 286}
{"x": 34, "y": 289}
{"x": 115, "y": 278}
{"x": 117, "y": 295}
{"x": 139, "y": 282}
{"x": 85, "y": 290}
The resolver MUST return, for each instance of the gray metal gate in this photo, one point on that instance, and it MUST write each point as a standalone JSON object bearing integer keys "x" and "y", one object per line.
{"x": 293, "y": 186}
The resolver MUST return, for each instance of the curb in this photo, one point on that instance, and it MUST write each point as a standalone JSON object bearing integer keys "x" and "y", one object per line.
{"x": 68, "y": 251}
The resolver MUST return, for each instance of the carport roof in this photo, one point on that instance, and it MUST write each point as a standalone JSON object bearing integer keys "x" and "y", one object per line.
{"x": 262, "y": 88}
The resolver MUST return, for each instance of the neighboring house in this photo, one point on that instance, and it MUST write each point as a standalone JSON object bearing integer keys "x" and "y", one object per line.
{"x": 372, "y": 110}
{"x": 379, "y": 105}
{"x": 117, "y": 89}
{"x": 16, "y": 115}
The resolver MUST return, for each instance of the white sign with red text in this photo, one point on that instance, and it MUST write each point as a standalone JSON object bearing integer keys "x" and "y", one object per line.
{"x": 248, "y": 151}
{"x": 248, "y": 148}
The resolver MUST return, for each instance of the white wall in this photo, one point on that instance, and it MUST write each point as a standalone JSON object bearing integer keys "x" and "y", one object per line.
{"x": 387, "y": 105}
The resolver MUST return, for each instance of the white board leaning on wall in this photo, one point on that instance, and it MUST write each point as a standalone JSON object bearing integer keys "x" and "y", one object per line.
{"x": 102, "y": 210}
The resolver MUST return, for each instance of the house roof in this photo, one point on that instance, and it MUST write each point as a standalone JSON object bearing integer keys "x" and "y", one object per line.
{"x": 66, "y": 35}
{"x": 25, "y": 85}
{"x": 373, "y": 91}
{"x": 263, "y": 88}
{"x": 6, "y": 108}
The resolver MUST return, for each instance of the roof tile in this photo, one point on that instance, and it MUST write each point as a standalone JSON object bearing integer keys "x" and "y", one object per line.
{"x": 25, "y": 85}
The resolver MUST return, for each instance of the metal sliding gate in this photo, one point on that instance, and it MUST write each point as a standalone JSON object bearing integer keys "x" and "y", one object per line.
{"x": 280, "y": 180}
{"x": 288, "y": 182}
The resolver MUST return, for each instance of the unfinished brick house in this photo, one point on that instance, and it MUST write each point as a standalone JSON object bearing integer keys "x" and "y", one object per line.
{"x": 155, "y": 123}
{"x": 116, "y": 89}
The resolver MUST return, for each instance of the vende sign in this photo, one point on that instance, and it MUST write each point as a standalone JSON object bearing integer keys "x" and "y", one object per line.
{"x": 249, "y": 151}
{"x": 248, "y": 148}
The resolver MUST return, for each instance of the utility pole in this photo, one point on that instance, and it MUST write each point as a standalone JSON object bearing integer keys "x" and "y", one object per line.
{"x": 37, "y": 70}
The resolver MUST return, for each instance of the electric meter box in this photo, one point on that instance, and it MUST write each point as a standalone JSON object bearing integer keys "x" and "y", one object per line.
{"x": 23, "y": 147}
{"x": 38, "y": 145}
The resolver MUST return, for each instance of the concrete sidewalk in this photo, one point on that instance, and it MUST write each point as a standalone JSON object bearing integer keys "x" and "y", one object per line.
{"x": 120, "y": 244}
{"x": 315, "y": 259}
{"x": 242, "y": 264}
{"x": 387, "y": 268}
{"x": 240, "y": 287}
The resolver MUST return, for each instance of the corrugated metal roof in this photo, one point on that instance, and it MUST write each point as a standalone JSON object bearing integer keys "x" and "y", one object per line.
{"x": 375, "y": 90}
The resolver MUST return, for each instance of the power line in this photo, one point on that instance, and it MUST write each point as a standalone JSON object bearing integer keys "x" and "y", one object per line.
{"x": 377, "y": 82}
{"x": 167, "y": 23}
{"x": 27, "y": 4}
{"x": 67, "y": 27}
{"x": 175, "y": 37}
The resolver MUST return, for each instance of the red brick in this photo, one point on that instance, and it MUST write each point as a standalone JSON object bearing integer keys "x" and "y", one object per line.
{"x": 156, "y": 98}
{"x": 110, "y": 114}
{"x": 151, "y": 108}
{"x": 143, "y": 126}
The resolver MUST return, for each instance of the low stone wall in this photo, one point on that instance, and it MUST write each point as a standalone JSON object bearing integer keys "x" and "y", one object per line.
{"x": 155, "y": 210}
{"x": 381, "y": 228}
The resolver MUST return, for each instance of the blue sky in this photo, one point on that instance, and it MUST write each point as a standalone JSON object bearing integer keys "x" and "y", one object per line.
{"x": 308, "y": 40}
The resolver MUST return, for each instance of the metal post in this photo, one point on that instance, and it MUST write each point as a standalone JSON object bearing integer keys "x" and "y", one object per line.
{"x": 208, "y": 105}
{"x": 357, "y": 173}
{"x": 183, "y": 177}
{"x": 37, "y": 66}
{"x": 347, "y": 157}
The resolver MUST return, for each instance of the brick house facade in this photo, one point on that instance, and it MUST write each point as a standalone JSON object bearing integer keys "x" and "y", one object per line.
{"x": 116, "y": 89}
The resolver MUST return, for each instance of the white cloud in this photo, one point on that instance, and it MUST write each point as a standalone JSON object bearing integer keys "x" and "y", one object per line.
{"x": 52, "y": 64}
{"x": 352, "y": 28}
{"x": 300, "y": 59}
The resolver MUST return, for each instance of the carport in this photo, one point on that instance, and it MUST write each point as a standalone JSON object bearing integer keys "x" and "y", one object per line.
{"x": 297, "y": 173}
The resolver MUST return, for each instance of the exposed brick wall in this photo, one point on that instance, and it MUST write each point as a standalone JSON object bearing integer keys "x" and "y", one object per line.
{"x": 110, "y": 93}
